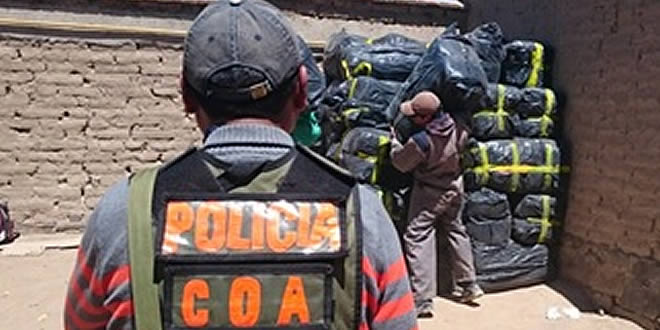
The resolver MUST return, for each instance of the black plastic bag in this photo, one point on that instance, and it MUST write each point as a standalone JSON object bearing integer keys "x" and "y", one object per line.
{"x": 450, "y": 68}
{"x": 524, "y": 64}
{"x": 335, "y": 50}
{"x": 390, "y": 58}
{"x": 379, "y": 61}
{"x": 372, "y": 92}
{"x": 534, "y": 220}
{"x": 542, "y": 127}
{"x": 487, "y": 217}
{"x": 536, "y": 102}
{"x": 400, "y": 41}
{"x": 524, "y": 166}
{"x": 336, "y": 93}
{"x": 509, "y": 266}
{"x": 497, "y": 120}
{"x": 535, "y": 113}
{"x": 362, "y": 115}
{"x": 404, "y": 127}
{"x": 364, "y": 151}
{"x": 488, "y": 42}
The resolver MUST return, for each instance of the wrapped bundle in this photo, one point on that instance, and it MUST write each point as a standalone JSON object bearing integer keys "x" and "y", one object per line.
{"x": 497, "y": 120}
{"x": 372, "y": 92}
{"x": 487, "y": 217}
{"x": 365, "y": 151}
{"x": 523, "y": 65}
{"x": 334, "y": 51}
{"x": 399, "y": 41}
{"x": 518, "y": 166}
{"x": 349, "y": 56}
{"x": 534, "y": 220}
{"x": 536, "y": 112}
{"x": 488, "y": 42}
{"x": 510, "y": 265}
{"x": 450, "y": 68}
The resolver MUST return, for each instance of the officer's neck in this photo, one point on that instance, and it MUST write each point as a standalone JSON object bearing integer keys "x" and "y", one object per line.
{"x": 257, "y": 121}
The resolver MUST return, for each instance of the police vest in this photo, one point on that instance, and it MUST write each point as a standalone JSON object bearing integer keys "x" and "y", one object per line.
{"x": 269, "y": 246}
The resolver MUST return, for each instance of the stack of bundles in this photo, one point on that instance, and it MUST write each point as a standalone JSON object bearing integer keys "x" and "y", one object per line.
{"x": 512, "y": 160}
{"x": 365, "y": 152}
{"x": 496, "y": 120}
{"x": 519, "y": 166}
{"x": 391, "y": 57}
{"x": 359, "y": 102}
{"x": 527, "y": 112}
{"x": 524, "y": 64}
{"x": 500, "y": 261}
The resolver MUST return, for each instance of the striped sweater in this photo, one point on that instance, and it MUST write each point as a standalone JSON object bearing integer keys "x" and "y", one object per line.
{"x": 99, "y": 293}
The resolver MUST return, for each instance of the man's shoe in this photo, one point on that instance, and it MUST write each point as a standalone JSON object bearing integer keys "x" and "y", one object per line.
{"x": 425, "y": 312}
{"x": 471, "y": 293}
{"x": 456, "y": 293}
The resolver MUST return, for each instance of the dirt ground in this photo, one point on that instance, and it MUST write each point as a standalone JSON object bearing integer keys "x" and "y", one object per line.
{"x": 35, "y": 273}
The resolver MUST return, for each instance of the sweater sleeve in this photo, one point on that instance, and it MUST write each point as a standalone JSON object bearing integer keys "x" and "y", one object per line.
{"x": 405, "y": 157}
{"x": 99, "y": 295}
{"x": 387, "y": 299}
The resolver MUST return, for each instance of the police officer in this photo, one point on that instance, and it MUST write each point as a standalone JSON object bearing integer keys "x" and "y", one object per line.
{"x": 249, "y": 230}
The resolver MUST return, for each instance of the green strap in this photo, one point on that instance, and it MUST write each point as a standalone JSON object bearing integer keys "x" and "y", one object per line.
{"x": 141, "y": 252}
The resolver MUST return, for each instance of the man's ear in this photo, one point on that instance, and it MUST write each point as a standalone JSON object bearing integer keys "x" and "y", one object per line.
{"x": 190, "y": 104}
{"x": 300, "y": 91}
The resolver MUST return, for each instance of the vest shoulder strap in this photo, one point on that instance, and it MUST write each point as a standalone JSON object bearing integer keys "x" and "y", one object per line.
{"x": 310, "y": 172}
{"x": 140, "y": 250}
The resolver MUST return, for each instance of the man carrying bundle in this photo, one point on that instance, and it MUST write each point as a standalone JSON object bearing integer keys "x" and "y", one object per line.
{"x": 433, "y": 156}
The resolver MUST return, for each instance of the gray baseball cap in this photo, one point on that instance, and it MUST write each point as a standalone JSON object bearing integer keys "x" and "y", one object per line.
{"x": 240, "y": 51}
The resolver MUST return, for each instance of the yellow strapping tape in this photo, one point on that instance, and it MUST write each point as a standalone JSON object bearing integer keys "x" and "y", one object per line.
{"x": 547, "y": 184}
{"x": 351, "y": 91}
{"x": 501, "y": 90}
{"x": 347, "y": 71}
{"x": 515, "y": 180}
{"x": 545, "y": 221}
{"x": 550, "y": 101}
{"x": 485, "y": 163}
{"x": 537, "y": 65}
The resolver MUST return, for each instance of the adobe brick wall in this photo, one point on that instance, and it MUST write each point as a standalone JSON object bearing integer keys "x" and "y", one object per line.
{"x": 607, "y": 66}
{"x": 77, "y": 115}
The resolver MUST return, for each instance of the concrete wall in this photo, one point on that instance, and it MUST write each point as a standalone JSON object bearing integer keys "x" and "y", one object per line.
{"x": 607, "y": 66}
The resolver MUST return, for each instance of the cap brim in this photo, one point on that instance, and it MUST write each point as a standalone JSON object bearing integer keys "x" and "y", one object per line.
{"x": 406, "y": 108}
